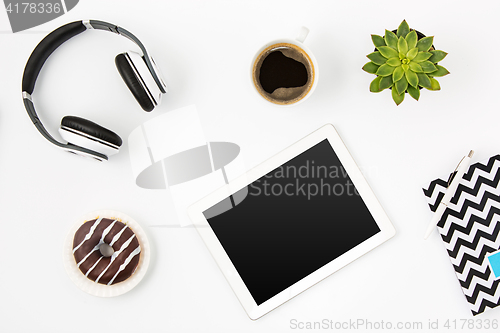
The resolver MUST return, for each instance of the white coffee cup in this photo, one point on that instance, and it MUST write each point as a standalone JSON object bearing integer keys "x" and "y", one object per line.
{"x": 287, "y": 96}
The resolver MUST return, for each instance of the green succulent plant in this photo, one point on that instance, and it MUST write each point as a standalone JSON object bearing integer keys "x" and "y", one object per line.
{"x": 404, "y": 63}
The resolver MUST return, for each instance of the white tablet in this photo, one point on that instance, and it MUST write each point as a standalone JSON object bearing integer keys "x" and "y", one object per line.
{"x": 291, "y": 221}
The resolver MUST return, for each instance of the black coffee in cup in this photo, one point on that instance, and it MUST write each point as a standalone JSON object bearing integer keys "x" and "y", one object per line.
{"x": 283, "y": 73}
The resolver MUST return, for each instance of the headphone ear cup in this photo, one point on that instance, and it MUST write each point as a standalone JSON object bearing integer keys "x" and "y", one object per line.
{"x": 87, "y": 134}
{"x": 133, "y": 81}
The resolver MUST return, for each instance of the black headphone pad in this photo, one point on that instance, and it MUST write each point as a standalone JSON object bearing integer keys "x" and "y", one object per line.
{"x": 91, "y": 131}
{"x": 130, "y": 78}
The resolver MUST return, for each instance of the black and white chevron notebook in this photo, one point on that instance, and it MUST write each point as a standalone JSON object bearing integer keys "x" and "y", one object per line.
{"x": 470, "y": 229}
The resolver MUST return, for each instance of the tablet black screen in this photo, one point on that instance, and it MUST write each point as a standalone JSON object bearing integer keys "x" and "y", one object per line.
{"x": 291, "y": 222}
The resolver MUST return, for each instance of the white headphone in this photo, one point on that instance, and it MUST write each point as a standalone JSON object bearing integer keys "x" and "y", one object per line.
{"x": 140, "y": 73}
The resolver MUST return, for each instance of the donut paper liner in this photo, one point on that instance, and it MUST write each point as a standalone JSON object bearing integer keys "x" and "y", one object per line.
{"x": 97, "y": 289}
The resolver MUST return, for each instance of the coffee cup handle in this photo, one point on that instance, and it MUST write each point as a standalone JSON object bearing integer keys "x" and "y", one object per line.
{"x": 301, "y": 37}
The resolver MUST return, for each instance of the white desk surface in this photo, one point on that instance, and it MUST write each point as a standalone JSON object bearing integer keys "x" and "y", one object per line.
{"x": 204, "y": 49}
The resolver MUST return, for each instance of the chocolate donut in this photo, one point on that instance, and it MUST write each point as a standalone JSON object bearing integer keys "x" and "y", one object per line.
{"x": 97, "y": 267}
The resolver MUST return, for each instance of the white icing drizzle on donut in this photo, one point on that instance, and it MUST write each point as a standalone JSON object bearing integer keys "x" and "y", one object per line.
{"x": 125, "y": 264}
{"x": 117, "y": 236}
{"x": 115, "y": 255}
{"x": 87, "y": 236}
{"x": 101, "y": 241}
{"x": 92, "y": 268}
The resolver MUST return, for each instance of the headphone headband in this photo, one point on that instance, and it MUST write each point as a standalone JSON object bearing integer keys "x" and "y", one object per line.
{"x": 57, "y": 37}
{"x": 43, "y": 51}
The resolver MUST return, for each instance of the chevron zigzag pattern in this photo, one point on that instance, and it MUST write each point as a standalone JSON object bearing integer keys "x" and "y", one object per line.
{"x": 470, "y": 230}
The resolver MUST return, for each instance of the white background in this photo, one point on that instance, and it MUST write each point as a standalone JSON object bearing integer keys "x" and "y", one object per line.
{"x": 204, "y": 49}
